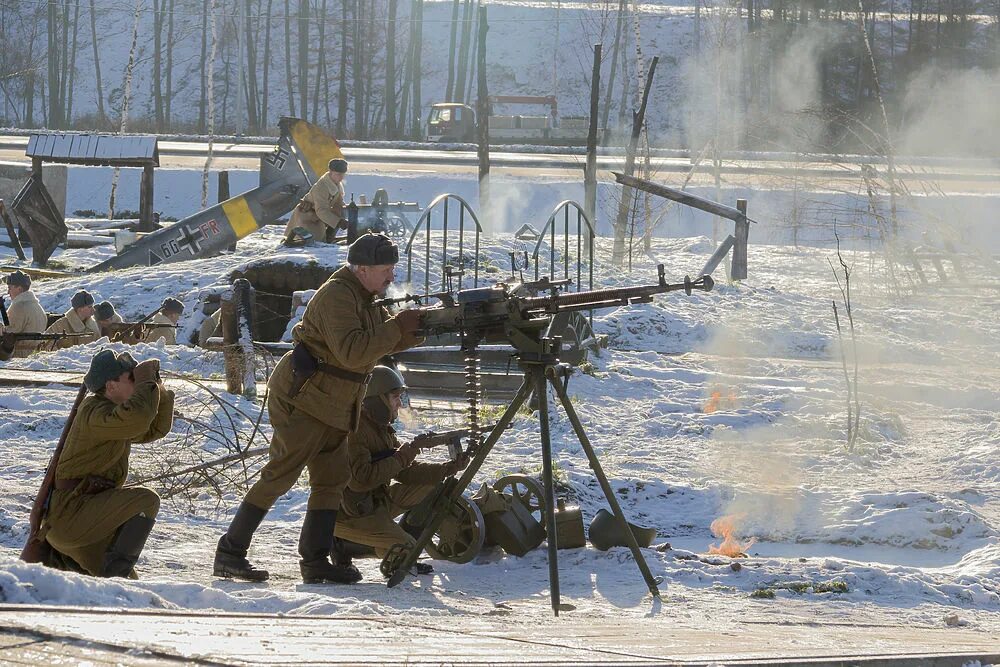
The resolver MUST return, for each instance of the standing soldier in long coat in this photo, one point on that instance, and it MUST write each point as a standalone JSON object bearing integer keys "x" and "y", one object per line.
{"x": 79, "y": 319}
{"x": 314, "y": 401}
{"x": 321, "y": 211}
{"x": 92, "y": 519}
{"x": 25, "y": 313}
{"x": 164, "y": 323}
{"x": 385, "y": 479}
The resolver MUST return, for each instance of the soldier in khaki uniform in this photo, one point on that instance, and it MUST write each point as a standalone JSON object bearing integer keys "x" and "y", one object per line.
{"x": 164, "y": 323}
{"x": 385, "y": 480}
{"x": 92, "y": 519}
{"x": 211, "y": 327}
{"x": 314, "y": 401}
{"x": 105, "y": 315}
{"x": 25, "y": 313}
{"x": 79, "y": 319}
{"x": 321, "y": 211}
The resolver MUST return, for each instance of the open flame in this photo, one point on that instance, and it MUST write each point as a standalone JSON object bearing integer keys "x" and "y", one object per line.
{"x": 725, "y": 527}
{"x": 718, "y": 400}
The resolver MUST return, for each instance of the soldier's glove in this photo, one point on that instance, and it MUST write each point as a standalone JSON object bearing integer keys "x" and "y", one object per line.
{"x": 147, "y": 371}
{"x": 456, "y": 466}
{"x": 408, "y": 322}
{"x": 407, "y": 453}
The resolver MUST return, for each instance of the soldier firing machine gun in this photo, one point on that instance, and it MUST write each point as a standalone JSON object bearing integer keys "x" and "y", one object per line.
{"x": 500, "y": 313}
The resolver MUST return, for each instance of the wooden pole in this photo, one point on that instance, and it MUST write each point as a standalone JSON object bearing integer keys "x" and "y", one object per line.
{"x": 245, "y": 302}
{"x": 739, "y": 264}
{"x": 483, "y": 126}
{"x": 230, "y": 337}
{"x": 146, "y": 200}
{"x": 590, "y": 170}
{"x": 11, "y": 232}
{"x": 224, "y": 196}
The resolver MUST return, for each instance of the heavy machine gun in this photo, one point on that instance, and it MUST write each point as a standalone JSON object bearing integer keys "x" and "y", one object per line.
{"x": 523, "y": 318}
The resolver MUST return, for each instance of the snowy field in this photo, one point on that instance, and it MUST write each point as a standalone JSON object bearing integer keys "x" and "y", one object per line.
{"x": 903, "y": 529}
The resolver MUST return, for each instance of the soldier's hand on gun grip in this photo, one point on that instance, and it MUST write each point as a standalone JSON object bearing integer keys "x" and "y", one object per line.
{"x": 407, "y": 453}
{"x": 408, "y": 321}
{"x": 147, "y": 371}
{"x": 456, "y": 466}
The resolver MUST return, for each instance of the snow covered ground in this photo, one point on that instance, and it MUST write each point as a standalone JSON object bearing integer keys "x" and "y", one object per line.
{"x": 901, "y": 530}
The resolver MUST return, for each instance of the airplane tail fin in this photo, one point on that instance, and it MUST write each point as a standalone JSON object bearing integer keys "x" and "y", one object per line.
{"x": 308, "y": 145}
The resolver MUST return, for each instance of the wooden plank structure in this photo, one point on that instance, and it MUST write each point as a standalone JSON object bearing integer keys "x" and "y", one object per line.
{"x": 37, "y": 634}
{"x": 101, "y": 150}
{"x": 738, "y": 215}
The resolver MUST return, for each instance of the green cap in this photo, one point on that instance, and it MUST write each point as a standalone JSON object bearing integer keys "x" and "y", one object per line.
{"x": 106, "y": 365}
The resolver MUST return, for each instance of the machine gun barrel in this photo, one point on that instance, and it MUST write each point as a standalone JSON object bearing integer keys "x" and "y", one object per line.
{"x": 604, "y": 298}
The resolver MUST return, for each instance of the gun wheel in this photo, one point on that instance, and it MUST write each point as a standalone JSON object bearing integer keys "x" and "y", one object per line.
{"x": 460, "y": 536}
{"x": 524, "y": 490}
{"x": 396, "y": 226}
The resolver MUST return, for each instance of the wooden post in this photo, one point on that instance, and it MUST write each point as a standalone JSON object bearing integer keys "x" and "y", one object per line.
{"x": 739, "y": 264}
{"x": 237, "y": 337}
{"x": 590, "y": 170}
{"x": 245, "y": 306}
{"x": 230, "y": 337}
{"x": 717, "y": 257}
{"x": 11, "y": 232}
{"x": 482, "y": 127}
{"x": 223, "y": 195}
{"x": 146, "y": 200}
{"x": 625, "y": 205}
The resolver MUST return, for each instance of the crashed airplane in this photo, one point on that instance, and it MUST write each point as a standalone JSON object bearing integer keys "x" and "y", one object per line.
{"x": 286, "y": 174}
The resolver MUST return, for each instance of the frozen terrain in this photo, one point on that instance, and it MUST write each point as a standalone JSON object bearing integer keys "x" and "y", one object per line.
{"x": 901, "y": 529}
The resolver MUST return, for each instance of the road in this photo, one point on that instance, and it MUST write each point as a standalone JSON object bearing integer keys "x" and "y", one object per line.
{"x": 758, "y": 170}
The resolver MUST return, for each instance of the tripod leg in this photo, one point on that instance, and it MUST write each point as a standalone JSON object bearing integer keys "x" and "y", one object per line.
{"x": 542, "y": 396}
{"x": 595, "y": 465}
{"x": 458, "y": 487}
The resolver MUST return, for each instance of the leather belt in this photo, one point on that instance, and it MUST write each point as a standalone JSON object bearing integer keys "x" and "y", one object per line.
{"x": 343, "y": 374}
{"x": 67, "y": 484}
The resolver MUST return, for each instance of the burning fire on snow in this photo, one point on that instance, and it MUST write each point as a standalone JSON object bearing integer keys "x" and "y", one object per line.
{"x": 725, "y": 527}
{"x": 718, "y": 401}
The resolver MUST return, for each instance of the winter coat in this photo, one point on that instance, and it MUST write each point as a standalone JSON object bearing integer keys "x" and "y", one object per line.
{"x": 26, "y": 315}
{"x": 210, "y": 328}
{"x": 374, "y": 467}
{"x": 341, "y": 326}
{"x": 163, "y": 327}
{"x": 71, "y": 323}
{"x": 320, "y": 209}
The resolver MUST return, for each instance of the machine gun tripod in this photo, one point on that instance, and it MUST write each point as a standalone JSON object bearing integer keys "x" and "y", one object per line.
{"x": 490, "y": 313}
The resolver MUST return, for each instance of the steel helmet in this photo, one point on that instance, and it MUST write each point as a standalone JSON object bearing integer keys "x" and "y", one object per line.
{"x": 384, "y": 379}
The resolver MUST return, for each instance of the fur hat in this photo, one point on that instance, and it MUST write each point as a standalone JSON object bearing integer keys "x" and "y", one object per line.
{"x": 338, "y": 164}
{"x": 19, "y": 279}
{"x": 81, "y": 299}
{"x": 171, "y": 305}
{"x": 104, "y": 311}
{"x": 106, "y": 365}
{"x": 372, "y": 250}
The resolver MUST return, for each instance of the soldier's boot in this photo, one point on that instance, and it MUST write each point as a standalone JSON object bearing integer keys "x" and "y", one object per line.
{"x": 231, "y": 554}
{"x": 315, "y": 546}
{"x": 345, "y": 551}
{"x": 124, "y": 550}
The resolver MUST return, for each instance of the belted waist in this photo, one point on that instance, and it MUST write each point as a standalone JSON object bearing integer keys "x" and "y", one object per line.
{"x": 67, "y": 484}
{"x": 343, "y": 374}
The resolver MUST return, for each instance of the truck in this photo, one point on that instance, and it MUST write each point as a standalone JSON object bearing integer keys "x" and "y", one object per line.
{"x": 452, "y": 122}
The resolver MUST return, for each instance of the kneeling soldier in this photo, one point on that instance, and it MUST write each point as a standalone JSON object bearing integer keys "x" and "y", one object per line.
{"x": 92, "y": 519}
{"x": 385, "y": 479}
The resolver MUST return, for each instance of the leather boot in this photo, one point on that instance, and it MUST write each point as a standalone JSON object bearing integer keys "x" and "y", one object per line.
{"x": 124, "y": 550}
{"x": 315, "y": 546}
{"x": 231, "y": 555}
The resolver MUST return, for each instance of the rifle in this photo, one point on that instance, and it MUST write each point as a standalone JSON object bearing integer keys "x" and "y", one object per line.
{"x": 133, "y": 329}
{"x": 37, "y": 550}
{"x": 497, "y": 313}
{"x": 8, "y": 339}
{"x": 3, "y": 313}
{"x": 433, "y": 439}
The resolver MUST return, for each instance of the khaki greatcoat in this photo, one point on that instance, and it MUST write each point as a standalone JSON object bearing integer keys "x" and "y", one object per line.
{"x": 163, "y": 327}
{"x": 26, "y": 316}
{"x": 71, "y": 323}
{"x": 322, "y": 208}
{"x": 99, "y": 443}
{"x": 341, "y": 326}
{"x": 381, "y": 488}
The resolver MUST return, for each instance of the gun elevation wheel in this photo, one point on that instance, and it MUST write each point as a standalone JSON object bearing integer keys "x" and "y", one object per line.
{"x": 526, "y": 491}
{"x": 461, "y": 535}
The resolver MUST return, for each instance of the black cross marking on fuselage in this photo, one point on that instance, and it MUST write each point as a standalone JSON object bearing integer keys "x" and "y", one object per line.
{"x": 191, "y": 240}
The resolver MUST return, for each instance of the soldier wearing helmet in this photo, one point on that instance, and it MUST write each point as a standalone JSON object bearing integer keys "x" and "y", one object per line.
{"x": 314, "y": 399}
{"x": 385, "y": 478}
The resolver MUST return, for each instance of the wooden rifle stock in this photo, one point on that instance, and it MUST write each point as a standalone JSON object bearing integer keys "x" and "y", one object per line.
{"x": 36, "y": 550}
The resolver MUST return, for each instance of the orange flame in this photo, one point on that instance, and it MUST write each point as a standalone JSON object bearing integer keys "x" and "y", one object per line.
{"x": 717, "y": 401}
{"x": 725, "y": 527}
